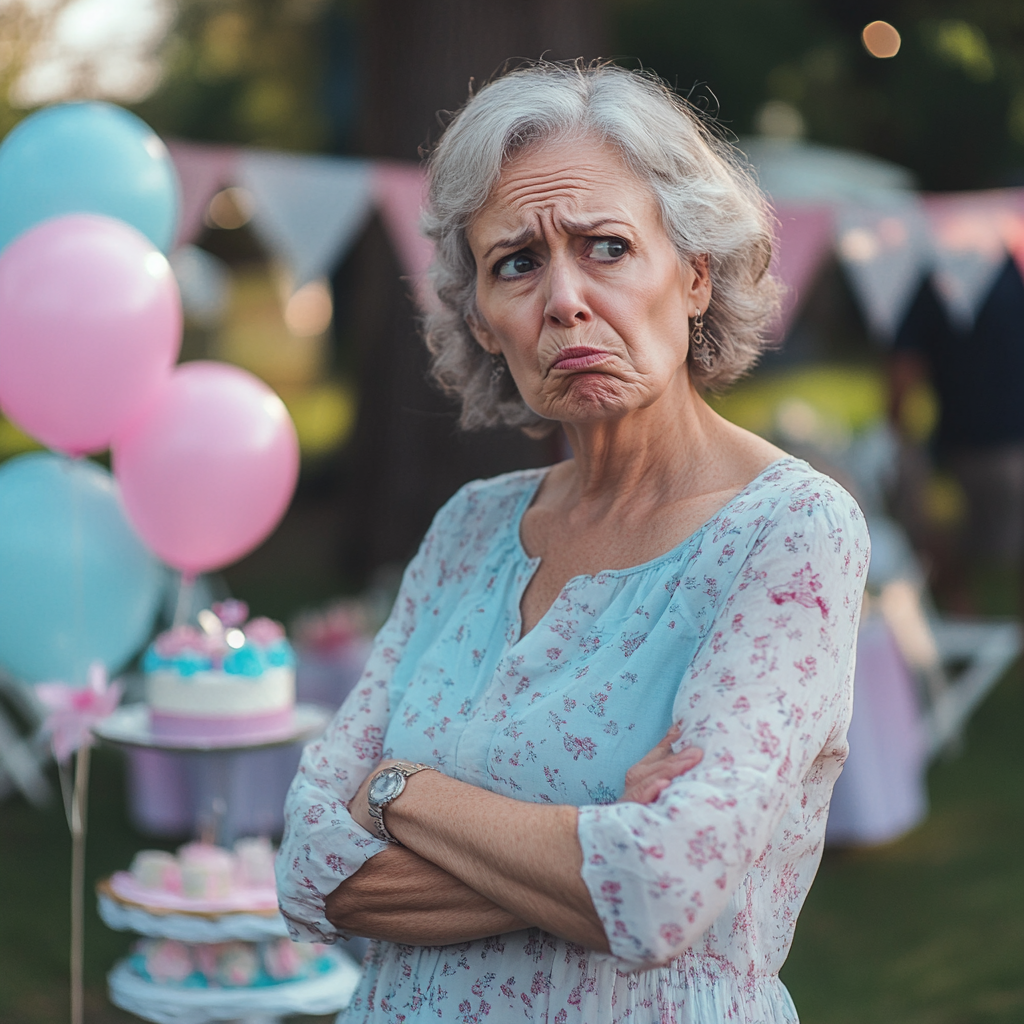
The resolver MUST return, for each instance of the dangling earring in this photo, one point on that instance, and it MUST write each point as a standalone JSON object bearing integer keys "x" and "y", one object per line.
{"x": 498, "y": 368}
{"x": 700, "y": 346}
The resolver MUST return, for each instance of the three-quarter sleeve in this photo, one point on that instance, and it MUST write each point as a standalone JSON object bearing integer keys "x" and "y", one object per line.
{"x": 322, "y": 845}
{"x": 767, "y": 694}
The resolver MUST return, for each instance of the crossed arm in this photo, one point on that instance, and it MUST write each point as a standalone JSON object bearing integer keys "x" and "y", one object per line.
{"x": 475, "y": 863}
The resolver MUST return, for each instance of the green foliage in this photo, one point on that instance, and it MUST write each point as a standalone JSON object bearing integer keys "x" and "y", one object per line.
{"x": 949, "y": 105}
{"x": 244, "y": 71}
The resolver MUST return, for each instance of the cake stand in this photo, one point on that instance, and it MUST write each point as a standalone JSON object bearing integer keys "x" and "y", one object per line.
{"x": 164, "y": 1004}
{"x": 325, "y": 992}
{"x": 129, "y": 726}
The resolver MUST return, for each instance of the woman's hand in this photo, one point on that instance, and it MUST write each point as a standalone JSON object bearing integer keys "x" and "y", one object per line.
{"x": 652, "y": 773}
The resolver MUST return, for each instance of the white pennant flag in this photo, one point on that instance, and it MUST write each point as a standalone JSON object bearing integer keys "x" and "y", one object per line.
{"x": 973, "y": 232}
{"x": 307, "y": 209}
{"x": 886, "y": 250}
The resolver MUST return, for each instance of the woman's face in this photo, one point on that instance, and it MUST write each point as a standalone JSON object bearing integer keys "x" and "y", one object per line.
{"x": 579, "y": 286}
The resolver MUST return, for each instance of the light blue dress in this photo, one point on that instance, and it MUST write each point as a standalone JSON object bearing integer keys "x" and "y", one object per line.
{"x": 744, "y": 633}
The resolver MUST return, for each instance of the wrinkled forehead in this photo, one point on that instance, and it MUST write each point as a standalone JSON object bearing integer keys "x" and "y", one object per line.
{"x": 584, "y": 177}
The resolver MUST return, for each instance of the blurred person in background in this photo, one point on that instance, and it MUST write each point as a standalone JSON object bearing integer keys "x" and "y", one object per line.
{"x": 977, "y": 373}
{"x": 586, "y": 773}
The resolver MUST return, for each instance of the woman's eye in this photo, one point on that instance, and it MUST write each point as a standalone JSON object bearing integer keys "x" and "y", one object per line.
{"x": 516, "y": 265}
{"x": 608, "y": 249}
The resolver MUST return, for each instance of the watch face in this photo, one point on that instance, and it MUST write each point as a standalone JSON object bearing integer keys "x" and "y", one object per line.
{"x": 386, "y": 787}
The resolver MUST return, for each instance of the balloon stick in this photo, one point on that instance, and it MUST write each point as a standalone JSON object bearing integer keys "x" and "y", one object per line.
{"x": 79, "y": 811}
{"x": 73, "y": 712}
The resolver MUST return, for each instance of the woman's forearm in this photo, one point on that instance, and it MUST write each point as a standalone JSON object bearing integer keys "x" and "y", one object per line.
{"x": 400, "y": 897}
{"x": 522, "y": 857}
{"x": 496, "y": 856}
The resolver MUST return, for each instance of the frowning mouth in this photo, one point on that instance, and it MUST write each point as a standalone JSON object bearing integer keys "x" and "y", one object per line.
{"x": 579, "y": 357}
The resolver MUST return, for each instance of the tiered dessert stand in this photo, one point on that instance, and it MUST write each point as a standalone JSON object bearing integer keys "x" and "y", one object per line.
{"x": 123, "y": 909}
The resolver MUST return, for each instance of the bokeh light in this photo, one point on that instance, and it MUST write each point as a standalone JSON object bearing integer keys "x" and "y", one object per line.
{"x": 881, "y": 39}
{"x": 230, "y": 208}
{"x": 309, "y": 311}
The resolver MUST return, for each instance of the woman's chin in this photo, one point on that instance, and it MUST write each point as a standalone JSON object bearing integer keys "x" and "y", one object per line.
{"x": 591, "y": 397}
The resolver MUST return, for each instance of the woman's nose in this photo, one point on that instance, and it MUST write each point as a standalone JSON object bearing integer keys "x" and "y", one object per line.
{"x": 566, "y": 305}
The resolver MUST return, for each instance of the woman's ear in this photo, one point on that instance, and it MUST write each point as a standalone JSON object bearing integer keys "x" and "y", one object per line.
{"x": 700, "y": 286}
{"x": 482, "y": 333}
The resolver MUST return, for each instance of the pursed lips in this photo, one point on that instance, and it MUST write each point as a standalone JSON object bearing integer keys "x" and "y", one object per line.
{"x": 579, "y": 357}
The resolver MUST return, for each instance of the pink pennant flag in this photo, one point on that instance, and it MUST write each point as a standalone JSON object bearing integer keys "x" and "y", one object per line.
{"x": 805, "y": 236}
{"x": 399, "y": 190}
{"x": 973, "y": 233}
{"x": 204, "y": 171}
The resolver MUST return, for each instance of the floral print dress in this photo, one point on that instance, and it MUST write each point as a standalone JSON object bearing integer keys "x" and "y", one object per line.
{"x": 744, "y": 633}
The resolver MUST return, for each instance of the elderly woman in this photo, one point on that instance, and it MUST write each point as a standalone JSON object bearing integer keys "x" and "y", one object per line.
{"x": 629, "y": 674}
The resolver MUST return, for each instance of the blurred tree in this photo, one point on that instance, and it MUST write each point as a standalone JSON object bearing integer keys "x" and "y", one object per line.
{"x": 24, "y": 26}
{"x": 949, "y": 105}
{"x": 419, "y": 57}
{"x": 246, "y": 71}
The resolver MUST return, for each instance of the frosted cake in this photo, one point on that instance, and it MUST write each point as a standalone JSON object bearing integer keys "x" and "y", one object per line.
{"x": 228, "y": 679}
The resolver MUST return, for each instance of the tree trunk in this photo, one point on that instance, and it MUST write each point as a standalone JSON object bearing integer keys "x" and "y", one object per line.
{"x": 408, "y": 456}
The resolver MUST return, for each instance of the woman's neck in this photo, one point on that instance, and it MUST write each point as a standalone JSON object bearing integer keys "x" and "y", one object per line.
{"x": 663, "y": 451}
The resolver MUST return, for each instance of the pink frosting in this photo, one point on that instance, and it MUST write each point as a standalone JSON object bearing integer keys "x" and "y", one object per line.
{"x": 182, "y": 640}
{"x": 264, "y": 632}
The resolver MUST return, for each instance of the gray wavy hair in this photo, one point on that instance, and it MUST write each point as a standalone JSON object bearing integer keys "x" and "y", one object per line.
{"x": 710, "y": 204}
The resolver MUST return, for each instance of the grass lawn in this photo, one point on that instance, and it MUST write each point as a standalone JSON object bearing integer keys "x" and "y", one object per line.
{"x": 929, "y": 930}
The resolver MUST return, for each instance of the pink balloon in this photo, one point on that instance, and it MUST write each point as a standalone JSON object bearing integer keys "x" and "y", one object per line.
{"x": 90, "y": 326}
{"x": 207, "y": 471}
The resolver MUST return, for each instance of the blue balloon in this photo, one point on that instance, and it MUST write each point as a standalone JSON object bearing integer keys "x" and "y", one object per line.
{"x": 76, "y": 583}
{"x": 87, "y": 158}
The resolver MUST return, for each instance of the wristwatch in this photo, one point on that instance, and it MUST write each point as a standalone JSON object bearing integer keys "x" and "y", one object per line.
{"x": 387, "y": 785}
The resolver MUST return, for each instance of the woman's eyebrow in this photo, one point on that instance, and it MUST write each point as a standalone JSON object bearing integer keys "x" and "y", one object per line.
{"x": 587, "y": 227}
{"x": 513, "y": 242}
{"x": 573, "y": 226}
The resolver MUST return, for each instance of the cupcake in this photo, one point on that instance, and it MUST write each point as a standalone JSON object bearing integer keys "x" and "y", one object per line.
{"x": 238, "y": 965}
{"x": 167, "y": 961}
{"x": 157, "y": 870}
{"x": 207, "y": 872}
{"x": 255, "y": 859}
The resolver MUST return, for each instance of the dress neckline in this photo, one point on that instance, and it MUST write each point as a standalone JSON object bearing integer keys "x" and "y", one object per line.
{"x": 531, "y": 492}
{"x": 673, "y": 553}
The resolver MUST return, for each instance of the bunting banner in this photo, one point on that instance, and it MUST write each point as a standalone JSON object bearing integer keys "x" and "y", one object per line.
{"x": 973, "y": 233}
{"x": 805, "y": 237}
{"x": 307, "y": 210}
{"x": 203, "y": 172}
{"x": 886, "y": 250}
{"x": 399, "y": 192}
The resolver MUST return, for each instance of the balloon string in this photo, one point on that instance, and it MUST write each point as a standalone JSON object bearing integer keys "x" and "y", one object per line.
{"x": 79, "y": 812}
{"x": 186, "y": 588}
